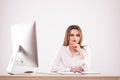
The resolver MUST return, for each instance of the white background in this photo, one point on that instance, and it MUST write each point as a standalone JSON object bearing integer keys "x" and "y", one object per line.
{"x": 99, "y": 20}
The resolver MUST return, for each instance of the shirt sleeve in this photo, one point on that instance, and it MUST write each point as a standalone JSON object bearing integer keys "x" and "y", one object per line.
{"x": 85, "y": 63}
{"x": 57, "y": 65}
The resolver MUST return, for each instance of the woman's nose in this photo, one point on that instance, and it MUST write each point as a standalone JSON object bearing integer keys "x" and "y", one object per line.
{"x": 75, "y": 37}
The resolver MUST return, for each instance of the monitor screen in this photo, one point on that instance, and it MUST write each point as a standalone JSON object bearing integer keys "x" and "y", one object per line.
{"x": 24, "y": 48}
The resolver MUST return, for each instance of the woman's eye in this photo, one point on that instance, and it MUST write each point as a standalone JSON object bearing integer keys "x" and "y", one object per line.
{"x": 77, "y": 35}
{"x": 71, "y": 35}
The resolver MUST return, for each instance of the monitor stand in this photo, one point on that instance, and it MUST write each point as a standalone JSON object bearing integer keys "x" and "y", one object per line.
{"x": 13, "y": 59}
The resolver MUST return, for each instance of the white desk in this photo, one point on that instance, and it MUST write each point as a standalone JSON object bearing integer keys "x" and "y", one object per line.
{"x": 58, "y": 77}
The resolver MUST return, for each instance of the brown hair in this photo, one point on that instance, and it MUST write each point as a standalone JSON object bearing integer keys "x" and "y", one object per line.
{"x": 67, "y": 35}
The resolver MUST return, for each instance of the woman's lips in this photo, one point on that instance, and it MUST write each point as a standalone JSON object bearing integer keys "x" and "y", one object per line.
{"x": 74, "y": 41}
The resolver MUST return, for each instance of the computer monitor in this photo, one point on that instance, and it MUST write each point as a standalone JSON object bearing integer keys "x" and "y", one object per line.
{"x": 24, "y": 47}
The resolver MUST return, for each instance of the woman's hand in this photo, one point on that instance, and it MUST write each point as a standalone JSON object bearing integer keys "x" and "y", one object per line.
{"x": 77, "y": 48}
{"x": 77, "y": 69}
{"x": 80, "y": 51}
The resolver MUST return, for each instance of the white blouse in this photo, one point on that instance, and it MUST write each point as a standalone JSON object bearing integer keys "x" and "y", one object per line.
{"x": 65, "y": 61}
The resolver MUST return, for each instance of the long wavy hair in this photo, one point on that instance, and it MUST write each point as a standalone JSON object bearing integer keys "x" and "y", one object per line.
{"x": 67, "y": 35}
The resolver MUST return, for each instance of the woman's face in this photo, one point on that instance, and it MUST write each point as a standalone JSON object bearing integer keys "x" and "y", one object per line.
{"x": 74, "y": 37}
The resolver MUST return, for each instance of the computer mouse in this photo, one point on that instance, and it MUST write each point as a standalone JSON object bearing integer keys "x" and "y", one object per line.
{"x": 28, "y": 72}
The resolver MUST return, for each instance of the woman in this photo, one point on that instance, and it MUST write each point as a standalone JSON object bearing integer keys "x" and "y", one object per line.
{"x": 72, "y": 57}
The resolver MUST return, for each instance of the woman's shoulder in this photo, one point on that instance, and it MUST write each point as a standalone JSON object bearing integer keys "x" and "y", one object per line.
{"x": 63, "y": 47}
{"x": 62, "y": 50}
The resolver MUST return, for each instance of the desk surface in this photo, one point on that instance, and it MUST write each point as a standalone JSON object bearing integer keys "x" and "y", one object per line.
{"x": 58, "y": 77}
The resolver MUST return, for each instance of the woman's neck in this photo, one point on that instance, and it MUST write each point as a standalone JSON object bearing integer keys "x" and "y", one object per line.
{"x": 72, "y": 50}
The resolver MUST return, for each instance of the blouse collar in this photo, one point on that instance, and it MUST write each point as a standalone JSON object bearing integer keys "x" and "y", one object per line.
{"x": 68, "y": 50}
